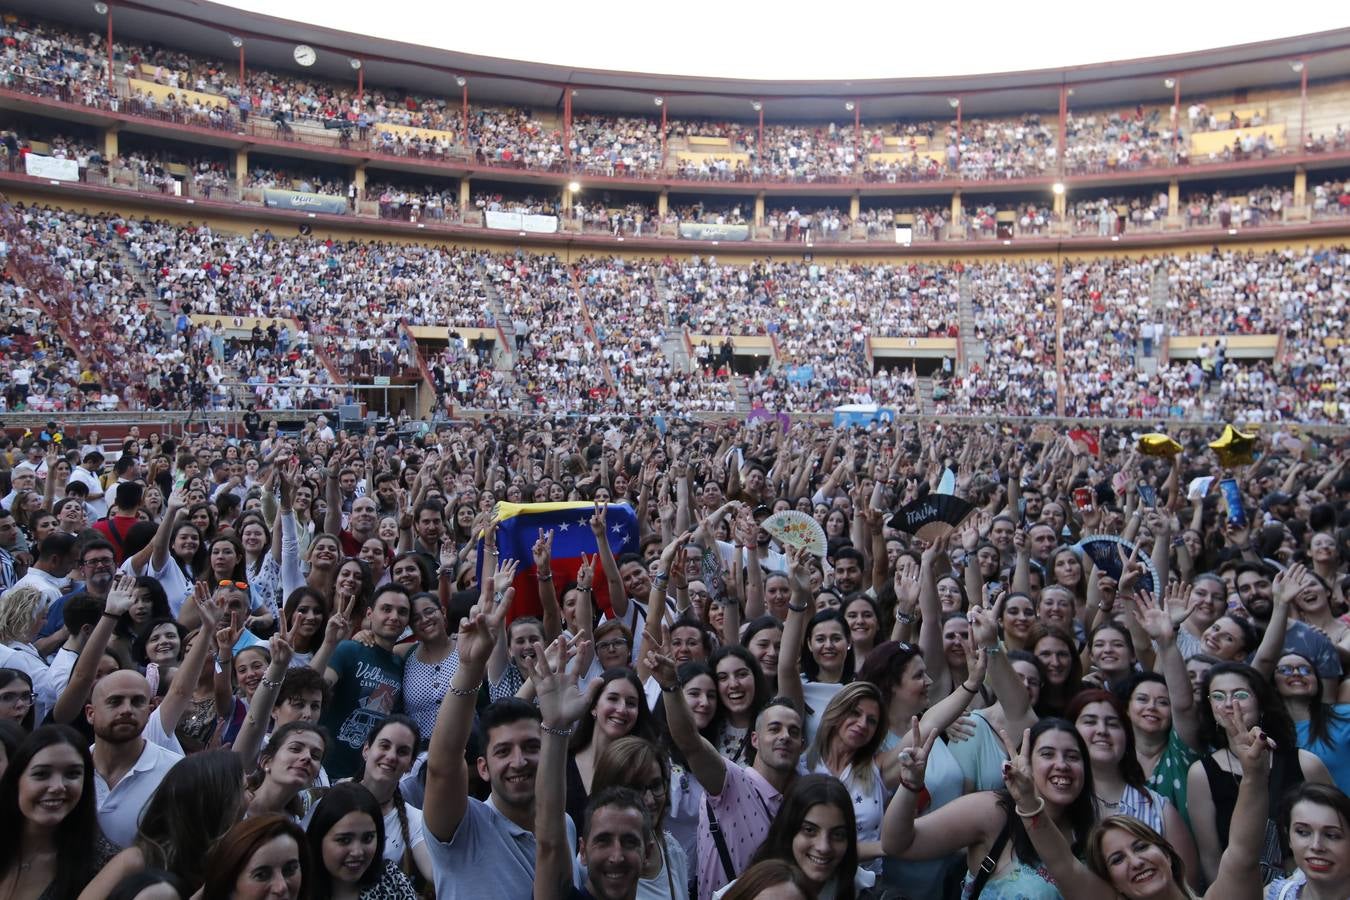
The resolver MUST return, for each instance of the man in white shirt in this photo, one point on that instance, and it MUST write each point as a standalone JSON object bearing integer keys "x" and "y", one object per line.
{"x": 87, "y": 474}
{"x": 127, "y": 767}
{"x": 49, "y": 572}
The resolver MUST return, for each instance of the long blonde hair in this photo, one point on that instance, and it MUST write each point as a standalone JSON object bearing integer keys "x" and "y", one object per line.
{"x": 19, "y": 610}
{"x": 840, "y": 706}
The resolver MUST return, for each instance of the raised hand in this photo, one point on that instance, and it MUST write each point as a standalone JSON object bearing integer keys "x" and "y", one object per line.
{"x": 661, "y": 661}
{"x": 983, "y": 626}
{"x": 912, "y": 760}
{"x": 543, "y": 552}
{"x": 339, "y": 625}
{"x": 1017, "y": 771}
{"x": 449, "y": 555}
{"x": 1155, "y": 620}
{"x": 1131, "y": 571}
{"x": 228, "y": 636}
{"x": 560, "y": 703}
{"x": 280, "y": 647}
{"x": 1289, "y": 583}
{"x": 585, "y": 572}
{"x": 799, "y": 570}
{"x": 122, "y": 595}
{"x": 209, "y": 609}
{"x": 505, "y": 574}
{"x": 479, "y": 630}
{"x": 1252, "y": 746}
{"x": 598, "y": 521}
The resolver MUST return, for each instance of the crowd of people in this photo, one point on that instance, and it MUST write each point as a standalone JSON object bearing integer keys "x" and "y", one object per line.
{"x": 137, "y": 293}
{"x": 56, "y": 60}
{"x": 318, "y": 663}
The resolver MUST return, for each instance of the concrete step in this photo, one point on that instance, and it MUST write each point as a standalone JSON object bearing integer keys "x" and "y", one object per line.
{"x": 924, "y": 389}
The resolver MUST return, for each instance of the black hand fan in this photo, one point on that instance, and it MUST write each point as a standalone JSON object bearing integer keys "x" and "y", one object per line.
{"x": 932, "y": 516}
{"x": 1105, "y": 550}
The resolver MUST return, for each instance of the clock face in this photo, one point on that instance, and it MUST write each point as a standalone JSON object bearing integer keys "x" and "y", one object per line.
{"x": 305, "y": 55}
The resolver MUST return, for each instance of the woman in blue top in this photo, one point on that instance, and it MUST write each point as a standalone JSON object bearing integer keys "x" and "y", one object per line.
{"x": 1323, "y": 729}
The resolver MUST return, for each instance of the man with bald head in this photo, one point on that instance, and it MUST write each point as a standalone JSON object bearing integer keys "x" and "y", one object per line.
{"x": 127, "y": 767}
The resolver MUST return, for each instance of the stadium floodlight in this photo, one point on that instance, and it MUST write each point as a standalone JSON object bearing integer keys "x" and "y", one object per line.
{"x": 574, "y": 186}
{"x": 659, "y": 101}
{"x": 461, "y": 80}
{"x": 848, "y": 105}
{"x": 355, "y": 63}
{"x": 756, "y": 105}
{"x": 236, "y": 41}
{"x": 1297, "y": 65}
{"x": 1169, "y": 83}
{"x": 101, "y": 8}
{"x": 953, "y": 102}
{"x": 1058, "y": 187}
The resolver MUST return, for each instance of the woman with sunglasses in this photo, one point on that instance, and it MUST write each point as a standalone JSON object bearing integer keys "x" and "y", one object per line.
{"x": 1323, "y": 728}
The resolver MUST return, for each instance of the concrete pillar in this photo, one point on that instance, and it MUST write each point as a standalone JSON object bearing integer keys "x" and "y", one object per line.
{"x": 1300, "y": 186}
{"x": 464, "y": 196}
{"x": 662, "y": 204}
{"x": 1174, "y": 217}
{"x": 1061, "y": 206}
{"x": 956, "y": 211}
{"x": 759, "y": 209}
{"x": 110, "y": 144}
{"x": 359, "y": 178}
{"x": 854, "y": 206}
{"x": 241, "y": 168}
{"x": 566, "y": 200}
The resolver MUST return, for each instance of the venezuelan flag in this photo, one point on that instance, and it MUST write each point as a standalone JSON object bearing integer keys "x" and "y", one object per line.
{"x": 570, "y": 522}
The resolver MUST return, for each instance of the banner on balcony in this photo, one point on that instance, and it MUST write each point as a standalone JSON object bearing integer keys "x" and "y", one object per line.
{"x": 800, "y": 375}
{"x": 698, "y": 231}
{"x": 305, "y": 202}
{"x": 514, "y": 221}
{"x": 862, "y": 414}
{"x": 50, "y": 167}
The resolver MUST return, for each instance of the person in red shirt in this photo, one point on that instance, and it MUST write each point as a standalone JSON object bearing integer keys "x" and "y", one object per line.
{"x": 122, "y": 517}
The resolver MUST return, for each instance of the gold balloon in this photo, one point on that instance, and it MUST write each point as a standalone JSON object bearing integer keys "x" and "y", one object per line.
{"x": 1234, "y": 448}
{"x": 1156, "y": 444}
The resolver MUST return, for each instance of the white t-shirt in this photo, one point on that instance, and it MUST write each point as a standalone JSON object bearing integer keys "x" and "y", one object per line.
{"x": 97, "y": 503}
{"x": 393, "y": 833}
{"x": 120, "y": 807}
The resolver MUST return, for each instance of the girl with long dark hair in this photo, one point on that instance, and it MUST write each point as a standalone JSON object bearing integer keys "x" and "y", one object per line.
{"x": 987, "y": 825}
{"x": 50, "y": 843}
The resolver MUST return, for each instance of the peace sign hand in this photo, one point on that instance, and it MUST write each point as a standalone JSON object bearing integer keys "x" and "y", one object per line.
{"x": 661, "y": 661}
{"x": 585, "y": 572}
{"x": 912, "y": 760}
{"x": 228, "y": 636}
{"x": 1252, "y": 746}
{"x": 560, "y": 703}
{"x": 1017, "y": 771}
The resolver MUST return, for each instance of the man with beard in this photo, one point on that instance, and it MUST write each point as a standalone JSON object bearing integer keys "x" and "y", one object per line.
{"x": 1258, "y": 597}
{"x": 127, "y": 767}
{"x": 617, "y": 833}
{"x": 741, "y": 802}
{"x": 483, "y": 849}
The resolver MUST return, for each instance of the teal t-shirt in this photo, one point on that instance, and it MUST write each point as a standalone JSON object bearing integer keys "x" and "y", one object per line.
{"x": 369, "y": 688}
{"x": 1332, "y": 749}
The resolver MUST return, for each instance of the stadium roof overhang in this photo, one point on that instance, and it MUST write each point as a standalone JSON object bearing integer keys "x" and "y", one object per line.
{"x": 206, "y": 28}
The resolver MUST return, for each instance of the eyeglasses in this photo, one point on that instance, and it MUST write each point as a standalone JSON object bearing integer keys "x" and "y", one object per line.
{"x": 100, "y": 563}
{"x": 656, "y": 789}
{"x": 606, "y": 646}
{"x": 24, "y": 698}
{"x": 1286, "y": 671}
{"x": 1238, "y": 696}
{"x": 240, "y": 585}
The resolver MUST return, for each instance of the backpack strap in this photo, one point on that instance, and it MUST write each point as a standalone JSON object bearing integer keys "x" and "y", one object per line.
{"x": 719, "y": 840}
{"x": 990, "y": 862}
